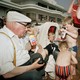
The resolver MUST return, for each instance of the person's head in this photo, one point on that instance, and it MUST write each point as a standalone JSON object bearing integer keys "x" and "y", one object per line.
{"x": 68, "y": 23}
{"x": 51, "y": 36}
{"x": 63, "y": 45}
{"x": 51, "y": 33}
{"x": 17, "y": 23}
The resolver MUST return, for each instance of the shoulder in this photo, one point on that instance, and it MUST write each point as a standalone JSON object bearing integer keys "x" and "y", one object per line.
{"x": 3, "y": 37}
{"x": 69, "y": 53}
{"x": 75, "y": 31}
{"x": 49, "y": 45}
{"x": 4, "y": 40}
{"x": 55, "y": 45}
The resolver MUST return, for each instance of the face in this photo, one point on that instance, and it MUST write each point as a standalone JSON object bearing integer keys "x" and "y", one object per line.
{"x": 69, "y": 27}
{"x": 51, "y": 37}
{"x": 21, "y": 29}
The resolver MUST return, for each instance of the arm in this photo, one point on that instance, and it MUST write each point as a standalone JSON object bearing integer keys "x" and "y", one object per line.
{"x": 72, "y": 34}
{"x": 20, "y": 70}
{"x": 42, "y": 51}
{"x": 73, "y": 59}
{"x": 71, "y": 6}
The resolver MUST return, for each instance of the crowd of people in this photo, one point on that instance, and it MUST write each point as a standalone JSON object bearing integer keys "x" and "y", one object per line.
{"x": 23, "y": 58}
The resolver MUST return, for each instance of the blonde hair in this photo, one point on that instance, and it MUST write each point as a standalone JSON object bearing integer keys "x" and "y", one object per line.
{"x": 67, "y": 20}
{"x": 63, "y": 44}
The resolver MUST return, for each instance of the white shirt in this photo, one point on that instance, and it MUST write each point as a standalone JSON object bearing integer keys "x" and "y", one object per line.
{"x": 7, "y": 51}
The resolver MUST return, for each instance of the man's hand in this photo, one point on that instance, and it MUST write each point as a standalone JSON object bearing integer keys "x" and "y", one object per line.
{"x": 36, "y": 65}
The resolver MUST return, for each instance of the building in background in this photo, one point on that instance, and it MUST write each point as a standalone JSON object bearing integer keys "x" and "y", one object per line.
{"x": 37, "y": 10}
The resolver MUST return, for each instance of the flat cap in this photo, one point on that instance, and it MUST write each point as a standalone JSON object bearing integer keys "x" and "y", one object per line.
{"x": 16, "y": 16}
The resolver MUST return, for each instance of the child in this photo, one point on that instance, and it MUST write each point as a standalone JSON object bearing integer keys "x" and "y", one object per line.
{"x": 71, "y": 38}
{"x": 64, "y": 60}
{"x": 52, "y": 47}
{"x": 53, "y": 50}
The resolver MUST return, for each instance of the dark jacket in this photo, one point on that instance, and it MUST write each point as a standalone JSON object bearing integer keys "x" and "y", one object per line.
{"x": 52, "y": 48}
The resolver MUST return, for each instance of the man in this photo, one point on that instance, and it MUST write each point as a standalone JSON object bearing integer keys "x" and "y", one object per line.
{"x": 12, "y": 36}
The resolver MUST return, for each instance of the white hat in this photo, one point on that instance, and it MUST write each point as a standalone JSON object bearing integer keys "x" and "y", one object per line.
{"x": 16, "y": 16}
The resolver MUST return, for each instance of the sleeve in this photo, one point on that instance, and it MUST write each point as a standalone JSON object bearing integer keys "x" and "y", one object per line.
{"x": 48, "y": 48}
{"x": 4, "y": 68}
{"x": 6, "y": 56}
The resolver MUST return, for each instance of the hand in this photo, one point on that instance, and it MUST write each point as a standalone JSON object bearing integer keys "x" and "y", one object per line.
{"x": 62, "y": 29}
{"x": 40, "y": 49}
{"x": 35, "y": 65}
{"x": 30, "y": 31}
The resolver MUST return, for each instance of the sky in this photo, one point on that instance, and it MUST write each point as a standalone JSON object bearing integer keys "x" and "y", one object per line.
{"x": 64, "y": 3}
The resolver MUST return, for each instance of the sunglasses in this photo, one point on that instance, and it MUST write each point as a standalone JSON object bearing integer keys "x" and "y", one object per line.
{"x": 24, "y": 24}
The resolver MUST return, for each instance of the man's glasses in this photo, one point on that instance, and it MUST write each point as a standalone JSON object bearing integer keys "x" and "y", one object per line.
{"x": 24, "y": 24}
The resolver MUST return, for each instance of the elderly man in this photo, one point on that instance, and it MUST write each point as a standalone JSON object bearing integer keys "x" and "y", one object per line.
{"x": 14, "y": 58}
